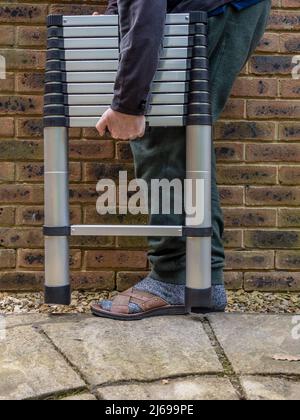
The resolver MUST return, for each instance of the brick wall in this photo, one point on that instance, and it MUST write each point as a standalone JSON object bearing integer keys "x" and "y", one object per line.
{"x": 258, "y": 147}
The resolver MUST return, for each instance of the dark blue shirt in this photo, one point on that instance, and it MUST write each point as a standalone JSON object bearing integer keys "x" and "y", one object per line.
{"x": 237, "y": 4}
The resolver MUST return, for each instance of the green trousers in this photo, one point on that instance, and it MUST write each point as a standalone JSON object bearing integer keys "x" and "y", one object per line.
{"x": 161, "y": 153}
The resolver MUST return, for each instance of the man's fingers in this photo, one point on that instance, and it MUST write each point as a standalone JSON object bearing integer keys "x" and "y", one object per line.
{"x": 102, "y": 126}
{"x": 96, "y": 14}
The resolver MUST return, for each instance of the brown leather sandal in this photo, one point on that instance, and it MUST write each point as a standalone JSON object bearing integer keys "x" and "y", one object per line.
{"x": 150, "y": 305}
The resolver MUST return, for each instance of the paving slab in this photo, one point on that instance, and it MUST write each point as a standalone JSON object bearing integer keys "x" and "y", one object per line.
{"x": 106, "y": 351}
{"x": 252, "y": 342}
{"x": 271, "y": 389}
{"x": 30, "y": 367}
{"x": 25, "y": 319}
{"x": 80, "y": 397}
{"x": 31, "y": 319}
{"x": 201, "y": 388}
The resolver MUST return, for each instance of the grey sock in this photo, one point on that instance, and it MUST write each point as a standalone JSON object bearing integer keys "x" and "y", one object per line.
{"x": 174, "y": 294}
{"x": 171, "y": 293}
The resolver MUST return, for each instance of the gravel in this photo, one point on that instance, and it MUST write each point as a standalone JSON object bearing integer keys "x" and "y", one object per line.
{"x": 239, "y": 301}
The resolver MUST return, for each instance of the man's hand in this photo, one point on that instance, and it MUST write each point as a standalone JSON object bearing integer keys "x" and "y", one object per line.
{"x": 122, "y": 126}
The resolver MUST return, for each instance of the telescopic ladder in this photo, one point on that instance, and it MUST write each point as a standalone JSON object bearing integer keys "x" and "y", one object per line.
{"x": 82, "y": 62}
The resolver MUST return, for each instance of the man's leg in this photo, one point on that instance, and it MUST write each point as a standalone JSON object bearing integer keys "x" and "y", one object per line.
{"x": 161, "y": 154}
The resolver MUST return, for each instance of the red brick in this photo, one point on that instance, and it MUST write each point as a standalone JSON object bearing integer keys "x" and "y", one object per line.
{"x": 289, "y": 88}
{"x": 7, "y": 36}
{"x": 272, "y": 239}
{"x": 87, "y": 280}
{"x": 231, "y": 195}
{"x": 289, "y": 175}
{"x": 7, "y": 171}
{"x": 235, "y": 108}
{"x": 124, "y": 153}
{"x": 269, "y": 43}
{"x": 34, "y": 259}
{"x": 244, "y": 130}
{"x": 127, "y": 242}
{"x": 288, "y": 260}
{"x": 116, "y": 259}
{"x": 127, "y": 279}
{"x": 30, "y": 82}
{"x": 30, "y": 127}
{"x": 23, "y": 59}
{"x": 77, "y": 9}
{"x": 233, "y": 238}
{"x": 243, "y": 217}
{"x": 229, "y": 152}
{"x": 93, "y": 172}
{"x": 21, "y": 105}
{"x": 290, "y": 4}
{"x": 273, "y": 281}
{"x": 234, "y": 280}
{"x": 21, "y": 238}
{"x": 271, "y": 64}
{"x": 249, "y": 87}
{"x": 92, "y": 242}
{"x": 289, "y": 217}
{"x": 23, "y": 13}
{"x": 34, "y": 215}
{"x": 276, "y": 3}
{"x": 290, "y": 43}
{"x": 249, "y": 260}
{"x": 13, "y": 193}
{"x": 289, "y": 131}
{"x": 273, "y": 109}
{"x": 92, "y": 217}
{"x": 21, "y": 281}
{"x": 91, "y": 150}
{"x": 246, "y": 174}
{"x": 21, "y": 150}
{"x": 7, "y": 85}
{"x": 273, "y": 152}
{"x": 83, "y": 194}
{"x": 92, "y": 134}
{"x": 6, "y": 127}
{"x": 7, "y": 258}
{"x": 34, "y": 171}
{"x": 7, "y": 216}
{"x": 285, "y": 20}
{"x": 273, "y": 196}
{"x": 31, "y": 36}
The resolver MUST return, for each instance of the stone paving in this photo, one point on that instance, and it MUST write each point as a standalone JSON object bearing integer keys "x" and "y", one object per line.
{"x": 219, "y": 356}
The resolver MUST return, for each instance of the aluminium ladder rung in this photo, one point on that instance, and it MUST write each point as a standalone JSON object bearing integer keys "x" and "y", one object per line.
{"x": 99, "y": 77}
{"x": 96, "y": 88}
{"x": 126, "y": 230}
{"x": 169, "y": 121}
{"x": 156, "y": 110}
{"x": 113, "y": 65}
{"x": 113, "y": 54}
{"x": 109, "y": 20}
{"x": 92, "y": 43}
{"x": 111, "y": 31}
{"x": 104, "y": 99}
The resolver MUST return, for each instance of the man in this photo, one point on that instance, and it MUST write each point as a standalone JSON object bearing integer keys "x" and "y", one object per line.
{"x": 235, "y": 29}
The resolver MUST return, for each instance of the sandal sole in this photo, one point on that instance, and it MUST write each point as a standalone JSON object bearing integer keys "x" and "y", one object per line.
{"x": 170, "y": 310}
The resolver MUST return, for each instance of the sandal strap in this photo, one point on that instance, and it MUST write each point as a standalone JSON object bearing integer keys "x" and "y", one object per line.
{"x": 145, "y": 300}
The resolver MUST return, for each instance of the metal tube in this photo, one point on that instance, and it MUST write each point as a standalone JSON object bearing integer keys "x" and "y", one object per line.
{"x": 198, "y": 251}
{"x": 57, "y": 283}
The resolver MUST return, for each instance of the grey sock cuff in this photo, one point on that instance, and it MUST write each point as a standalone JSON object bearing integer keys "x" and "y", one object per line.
{"x": 174, "y": 294}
